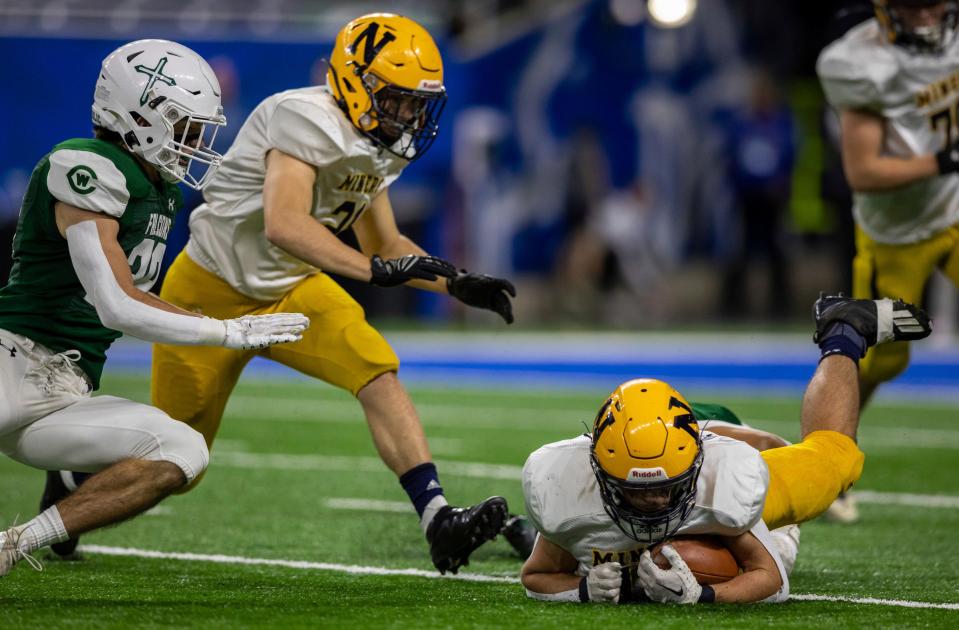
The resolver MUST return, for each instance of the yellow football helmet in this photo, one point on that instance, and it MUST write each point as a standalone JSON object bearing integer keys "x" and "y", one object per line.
{"x": 929, "y": 38}
{"x": 646, "y": 454}
{"x": 386, "y": 73}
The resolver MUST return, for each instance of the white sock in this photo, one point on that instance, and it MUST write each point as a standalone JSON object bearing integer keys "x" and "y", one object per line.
{"x": 45, "y": 529}
{"x": 430, "y": 511}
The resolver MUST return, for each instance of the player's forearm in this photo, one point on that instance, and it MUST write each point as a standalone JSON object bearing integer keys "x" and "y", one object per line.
{"x": 542, "y": 585}
{"x": 887, "y": 173}
{"x": 303, "y": 237}
{"x": 752, "y": 586}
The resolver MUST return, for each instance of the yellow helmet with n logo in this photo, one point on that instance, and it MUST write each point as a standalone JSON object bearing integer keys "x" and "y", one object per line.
{"x": 386, "y": 73}
{"x": 646, "y": 454}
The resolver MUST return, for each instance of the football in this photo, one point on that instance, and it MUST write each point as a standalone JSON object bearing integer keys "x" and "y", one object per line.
{"x": 709, "y": 560}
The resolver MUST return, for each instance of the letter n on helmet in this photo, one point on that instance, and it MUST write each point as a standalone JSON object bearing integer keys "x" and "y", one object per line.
{"x": 386, "y": 74}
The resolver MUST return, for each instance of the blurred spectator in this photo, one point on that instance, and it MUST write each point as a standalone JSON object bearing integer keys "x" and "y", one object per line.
{"x": 12, "y": 188}
{"x": 762, "y": 152}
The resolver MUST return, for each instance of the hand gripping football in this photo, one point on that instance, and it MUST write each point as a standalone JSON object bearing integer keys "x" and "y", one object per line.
{"x": 709, "y": 560}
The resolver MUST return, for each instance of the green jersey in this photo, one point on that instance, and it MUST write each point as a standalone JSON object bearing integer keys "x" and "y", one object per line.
{"x": 44, "y": 299}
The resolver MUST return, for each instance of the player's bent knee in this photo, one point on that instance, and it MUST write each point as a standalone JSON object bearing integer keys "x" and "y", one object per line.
{"x": 805, "y": 478}
{"x": 181, "y": 445}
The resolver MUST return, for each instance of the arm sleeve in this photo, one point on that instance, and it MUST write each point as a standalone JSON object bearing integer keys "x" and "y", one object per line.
{"x": 303, "y": 130}
{"x": 119, "y": 311}
{"x": 88, "y": 181}
{"x": 571, "y": 595}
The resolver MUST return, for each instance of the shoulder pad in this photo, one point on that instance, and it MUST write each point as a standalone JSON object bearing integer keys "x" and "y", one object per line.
{"x": 856, "y": 69}
{"x": 303, "y": 127}
{"x": 88, "y": 180}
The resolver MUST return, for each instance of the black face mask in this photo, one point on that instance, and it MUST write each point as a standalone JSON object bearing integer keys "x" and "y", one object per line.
{"x": 408, "y": 119}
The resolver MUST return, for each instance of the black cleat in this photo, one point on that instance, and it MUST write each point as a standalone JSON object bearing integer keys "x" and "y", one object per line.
{"x": 877, "y": 321}
{"x": 56, "y": 490}
{"x": 520, "y": 535}
{"x": 455, "y": 533}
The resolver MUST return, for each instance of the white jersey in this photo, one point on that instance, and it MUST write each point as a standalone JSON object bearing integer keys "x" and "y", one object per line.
{"x": 564, "y": 503}
{"x": 227, "y": 232}
{"x": 917, "y": 96}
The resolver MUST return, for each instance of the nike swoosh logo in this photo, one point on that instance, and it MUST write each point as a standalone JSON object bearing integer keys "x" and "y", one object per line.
{"x": 678, "y": 593}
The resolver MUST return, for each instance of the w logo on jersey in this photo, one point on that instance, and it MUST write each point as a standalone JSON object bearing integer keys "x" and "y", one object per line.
{"x": 81, "y": 179}
{"x": 372, "y": 47}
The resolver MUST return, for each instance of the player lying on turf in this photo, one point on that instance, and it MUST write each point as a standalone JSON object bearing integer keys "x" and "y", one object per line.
{"x": 309, "y": 164}
{"x": 647, "y": 472}
{"x": 88, "y": 246}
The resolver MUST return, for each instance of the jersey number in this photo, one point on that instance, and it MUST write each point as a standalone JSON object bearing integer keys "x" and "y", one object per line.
{"x": 948, "y": 118}
{"x": 351, "y": 212}
{"x": 145, "y": 260}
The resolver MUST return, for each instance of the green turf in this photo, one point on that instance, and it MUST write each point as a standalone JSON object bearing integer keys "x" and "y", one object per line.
{"x": 896, "y": 552}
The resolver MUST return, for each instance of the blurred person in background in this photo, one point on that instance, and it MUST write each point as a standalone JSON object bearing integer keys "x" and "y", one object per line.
{"x": 762, "y": 150}
{"x": 895, "y": 81}
{"x": 307, "y": 165}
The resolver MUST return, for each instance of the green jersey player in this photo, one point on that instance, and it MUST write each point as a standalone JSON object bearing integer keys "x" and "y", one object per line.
{"x": 89, "y": 241}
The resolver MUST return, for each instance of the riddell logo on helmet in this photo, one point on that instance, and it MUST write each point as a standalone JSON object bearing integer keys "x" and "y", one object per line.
{"x": 431, "y": 84}
{"x": 647, "y": 473}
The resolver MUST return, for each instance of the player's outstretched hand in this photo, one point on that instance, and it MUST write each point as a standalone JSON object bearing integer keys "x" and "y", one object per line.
{"x": 254, "y": 332}
{"x": 603, "y": 582}
{"x": 676, "y": 584}
{"x": 394, "y": 271}
{"x": 482, "y": 291}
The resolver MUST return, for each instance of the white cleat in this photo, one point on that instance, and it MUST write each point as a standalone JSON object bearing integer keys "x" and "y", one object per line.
{"x": 843, "y": 509}
{"x": 11, "y": 552}
{"x": 786, "y": 539}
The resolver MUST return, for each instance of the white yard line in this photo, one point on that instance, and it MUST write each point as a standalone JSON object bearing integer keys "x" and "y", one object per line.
{"x": 911, "y": 500}
{"x": 463, "y": 577}
{"x": 368, "y": 505}
{"x": 341, "y": 463}
{"x": 481, "y": 416}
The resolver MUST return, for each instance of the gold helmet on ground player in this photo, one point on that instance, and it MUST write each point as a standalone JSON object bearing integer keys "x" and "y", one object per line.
{"x": 920, "y": 26}
{"x": 386, "y": 73}
{"x": 646, "y": 454}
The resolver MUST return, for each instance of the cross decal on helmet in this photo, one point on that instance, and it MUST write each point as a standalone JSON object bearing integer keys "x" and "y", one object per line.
{"x": 155, "y": 74}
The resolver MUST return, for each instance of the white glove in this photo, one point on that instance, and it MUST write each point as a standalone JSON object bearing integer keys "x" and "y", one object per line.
{"x": 254, "y": 332}
{"x": 603, "y": 582}
{"x": 675, "y": 584}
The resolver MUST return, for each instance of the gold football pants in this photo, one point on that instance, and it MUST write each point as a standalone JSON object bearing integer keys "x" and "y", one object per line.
{"x": 899, "y": 271}
{"x": 805, "y": 478}
{"x": 193, "y": 383}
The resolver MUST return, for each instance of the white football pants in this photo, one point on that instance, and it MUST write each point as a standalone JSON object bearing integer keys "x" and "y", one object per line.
{"x": 48, "y": 419}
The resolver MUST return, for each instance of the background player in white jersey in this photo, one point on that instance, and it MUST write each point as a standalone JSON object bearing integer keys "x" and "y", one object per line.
{"x": 308, "y": 164}
{"x": 88, "y": 246}
{"x": 647, "y": 473}
{"x": 895, "y": 81}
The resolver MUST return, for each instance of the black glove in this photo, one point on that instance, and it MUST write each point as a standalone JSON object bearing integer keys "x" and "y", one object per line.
{"x": 948, "y": 159}
{"x": 394, "y": 271}
{"x": 482, "y": 291}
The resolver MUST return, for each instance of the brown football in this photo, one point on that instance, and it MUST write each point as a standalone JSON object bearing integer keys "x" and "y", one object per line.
{"x": 708, "y": 559}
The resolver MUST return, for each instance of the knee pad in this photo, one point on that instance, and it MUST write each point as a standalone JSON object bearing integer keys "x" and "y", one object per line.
{"x": 181, "y": 445}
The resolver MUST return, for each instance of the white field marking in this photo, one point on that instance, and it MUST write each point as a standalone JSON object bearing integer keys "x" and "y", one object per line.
{"x": 904, "y": 437}
{"x": 159, "y": 510}
{"x": 873, "y": 600}
{"x": 446, "y": 446}
{"x": 439, "y": 414}
{"x": 479, "y": 416}
{"x": 368, "y": 505}
{"x": 463, "y": 577}
{"x": 291, "y": 564}
{"x": 341, "y": 463}
{"x": 911, "y": 500}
